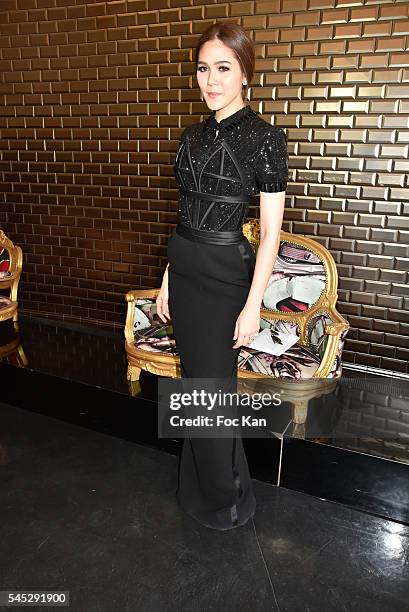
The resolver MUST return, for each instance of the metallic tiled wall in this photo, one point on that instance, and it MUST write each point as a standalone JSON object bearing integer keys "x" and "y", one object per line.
{"x": 95, "y": 94}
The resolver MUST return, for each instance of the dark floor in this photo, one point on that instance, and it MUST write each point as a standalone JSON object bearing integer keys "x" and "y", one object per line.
{"x": 88, "y": 492}
{"x": 96, "y": 516}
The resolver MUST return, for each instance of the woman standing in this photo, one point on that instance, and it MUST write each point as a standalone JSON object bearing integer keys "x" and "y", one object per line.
{"x": 213, "y": 284}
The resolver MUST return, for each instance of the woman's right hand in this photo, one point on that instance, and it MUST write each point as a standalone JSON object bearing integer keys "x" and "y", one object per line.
{"x": 162, "y": 301}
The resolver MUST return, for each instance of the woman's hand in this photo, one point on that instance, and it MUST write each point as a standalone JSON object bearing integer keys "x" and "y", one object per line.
{"x": 247, "y": 326}
{"x": 162, "y": 301}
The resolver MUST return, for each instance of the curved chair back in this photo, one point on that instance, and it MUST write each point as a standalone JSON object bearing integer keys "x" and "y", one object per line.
{"x": 304, "y": 277}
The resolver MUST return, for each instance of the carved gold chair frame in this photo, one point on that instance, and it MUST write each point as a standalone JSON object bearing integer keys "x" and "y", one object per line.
{"x": 11, "y": 282}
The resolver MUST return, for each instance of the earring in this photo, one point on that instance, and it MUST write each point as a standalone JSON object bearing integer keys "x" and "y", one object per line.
{"x": 245, "y": 83}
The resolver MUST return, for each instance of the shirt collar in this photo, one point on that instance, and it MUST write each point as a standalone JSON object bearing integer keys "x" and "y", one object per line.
{"x": 230, "y": 121}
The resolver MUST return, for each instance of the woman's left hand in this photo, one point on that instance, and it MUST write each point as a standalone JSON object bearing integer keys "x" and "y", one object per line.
{"x": 247, "y": 326}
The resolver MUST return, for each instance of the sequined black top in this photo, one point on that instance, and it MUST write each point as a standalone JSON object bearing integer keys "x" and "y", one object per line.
{"x": 220, "y": 166}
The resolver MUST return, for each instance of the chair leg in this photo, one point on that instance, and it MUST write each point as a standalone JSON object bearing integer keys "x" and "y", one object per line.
{"x": 133, "y": 372}
{"x": 299, "y": 417}
{"x": 300, "y": 411}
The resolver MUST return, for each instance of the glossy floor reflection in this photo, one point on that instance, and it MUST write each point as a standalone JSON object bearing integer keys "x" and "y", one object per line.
{"x": 96, "y": 515}
{"x": 350, "y": 447}
{"x": 89, "y": 355}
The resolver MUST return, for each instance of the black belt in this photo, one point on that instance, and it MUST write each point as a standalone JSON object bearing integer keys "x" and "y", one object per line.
{"x": 208, "y": 236}
{"x": 215, "y": 197}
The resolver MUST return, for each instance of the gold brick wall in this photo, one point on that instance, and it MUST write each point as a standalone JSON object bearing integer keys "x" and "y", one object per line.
{"x": 95, "y": 95}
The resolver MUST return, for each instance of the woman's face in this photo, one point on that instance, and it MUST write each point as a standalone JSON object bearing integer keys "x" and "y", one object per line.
{"x": 219, "y": 72}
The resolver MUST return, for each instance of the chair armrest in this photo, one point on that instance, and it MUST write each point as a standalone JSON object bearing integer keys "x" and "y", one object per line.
{"x": 336, "y": 332}
{"x": 337, "y": 318}
{"x": 336, "y": 329}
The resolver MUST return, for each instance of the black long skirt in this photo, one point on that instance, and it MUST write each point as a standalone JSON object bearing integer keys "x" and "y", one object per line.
{"x": 208, "y": 287}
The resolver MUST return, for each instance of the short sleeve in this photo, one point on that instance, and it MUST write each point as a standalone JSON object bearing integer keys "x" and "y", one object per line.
{"x": 184, "y": 134}
{"x": 181, "y": 142}
{"x": 272, "y": 162}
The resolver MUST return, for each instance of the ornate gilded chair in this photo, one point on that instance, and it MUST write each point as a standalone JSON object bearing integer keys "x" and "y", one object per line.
{"x": 300, "y": 297}
{"x": 11, "y": 264}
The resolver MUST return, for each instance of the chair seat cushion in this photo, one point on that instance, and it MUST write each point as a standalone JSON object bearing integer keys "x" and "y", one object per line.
{"x": 157, "y": 338}
{"x": 297, "y": 362}
{"x": 4, "y": 302}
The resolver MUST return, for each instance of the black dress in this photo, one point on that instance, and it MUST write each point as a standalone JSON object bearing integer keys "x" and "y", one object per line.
{"x": 219, "y": 166}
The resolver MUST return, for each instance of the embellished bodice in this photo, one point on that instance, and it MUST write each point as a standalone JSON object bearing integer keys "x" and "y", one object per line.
{"x": 220, "y": 166}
